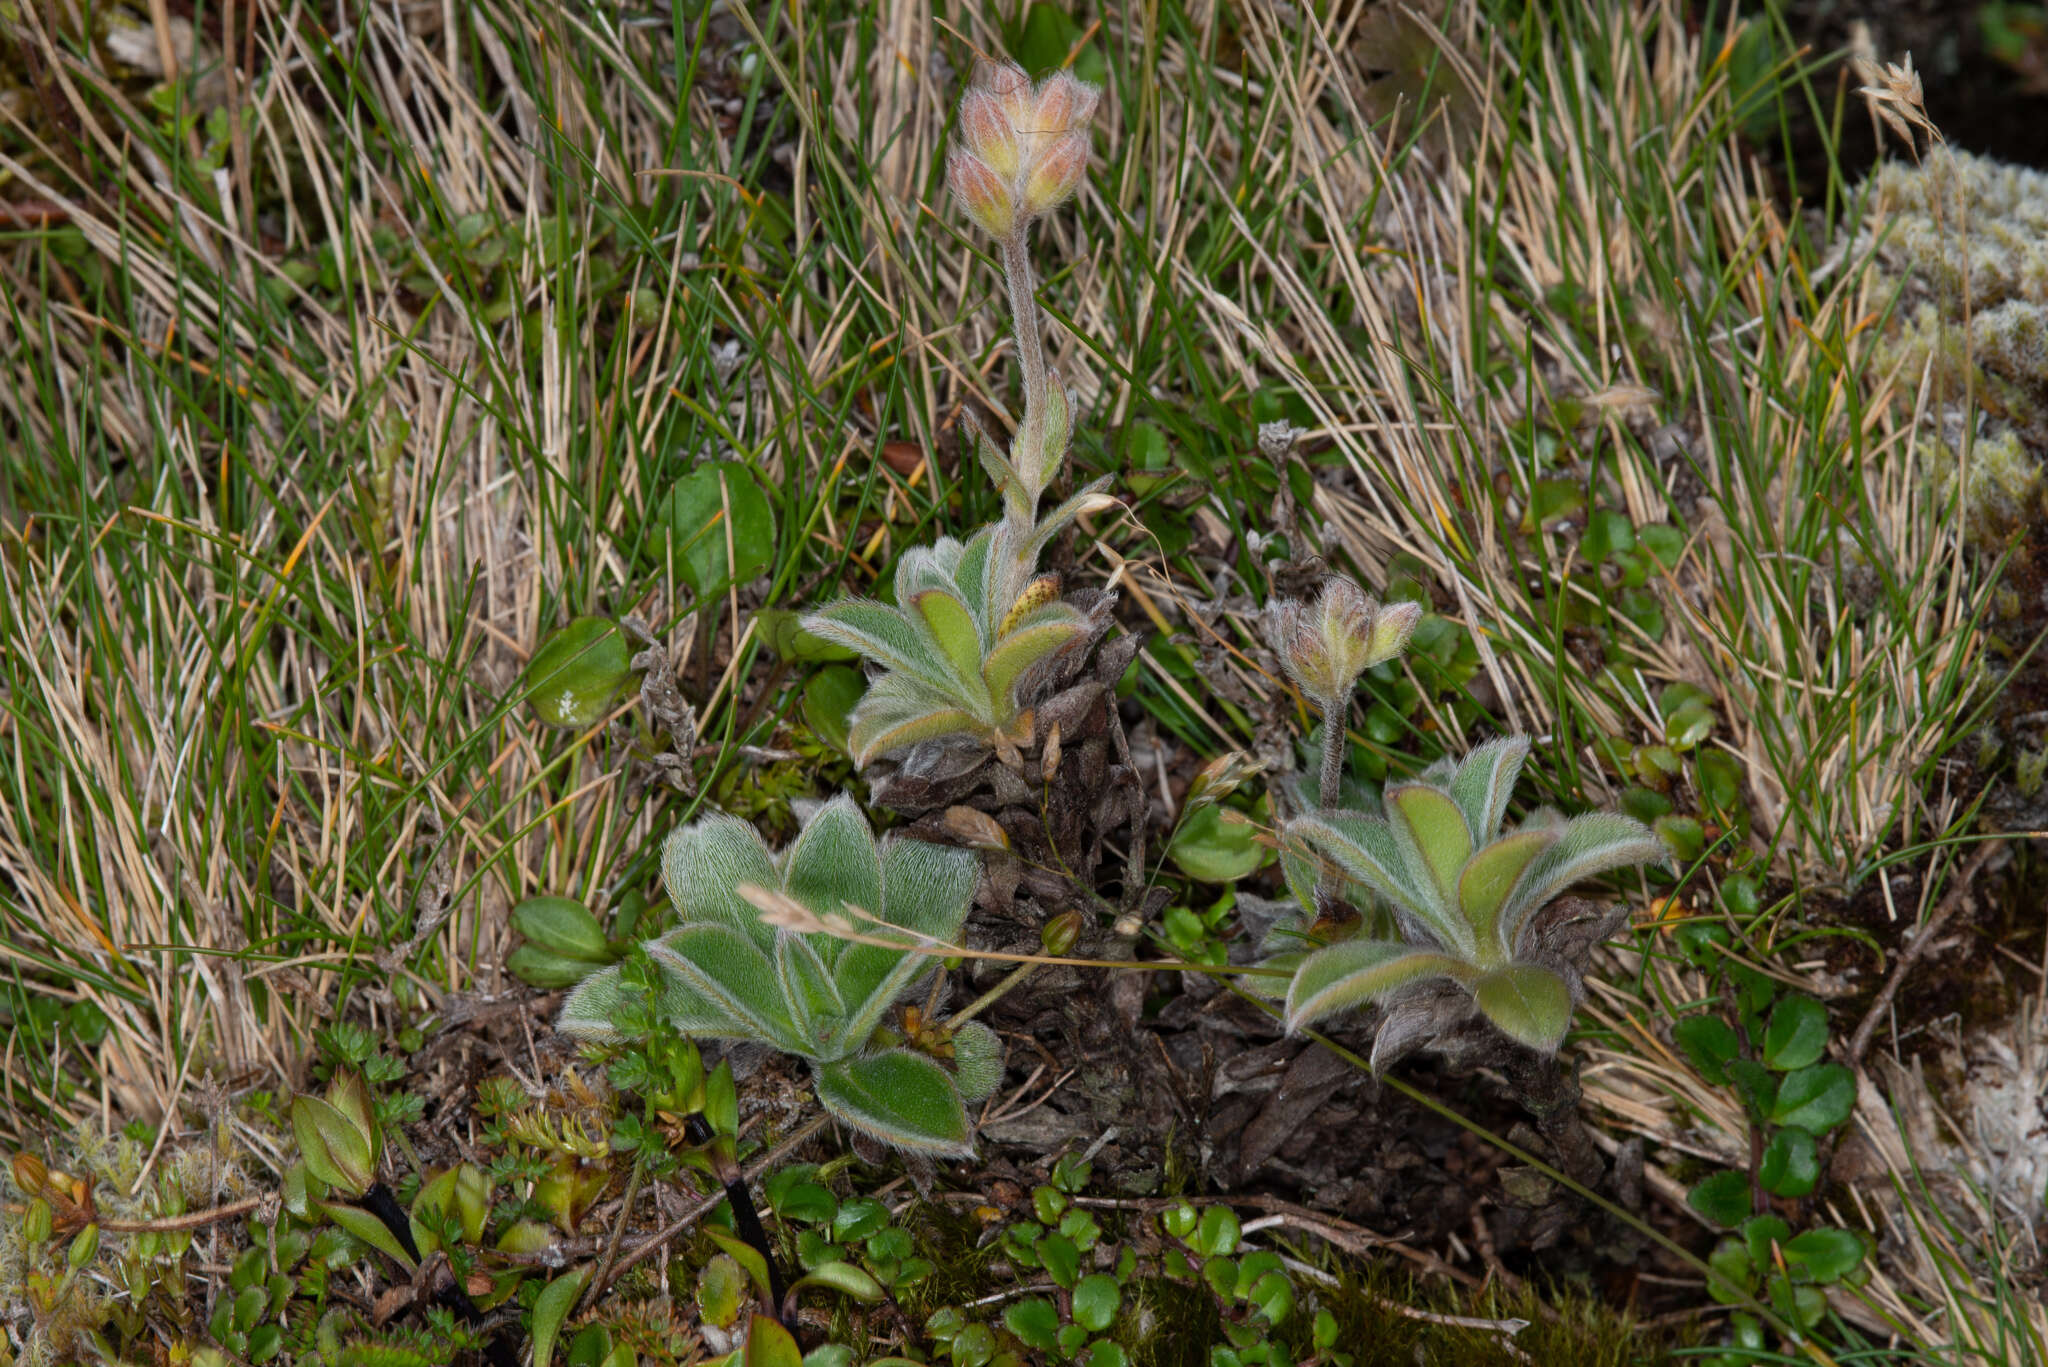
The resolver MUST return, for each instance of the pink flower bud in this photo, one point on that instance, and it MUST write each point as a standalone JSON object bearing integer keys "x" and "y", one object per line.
{"x": 1064, "y": 104}
{"x": 999, "y": 78}
{"x": 982, "y": 193}
{"x": 986, "y": 130}
{"x": 1056, "y": 173}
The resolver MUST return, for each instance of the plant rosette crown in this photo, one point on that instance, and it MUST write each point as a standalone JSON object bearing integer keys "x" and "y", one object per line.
{"x": 728, "y": 974}
{"x": 1465, "y": 898}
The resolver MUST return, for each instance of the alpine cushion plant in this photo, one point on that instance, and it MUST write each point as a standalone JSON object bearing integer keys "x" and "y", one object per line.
{"x": 972, "y": 624}
{"x": 1466, "y": 899}
{"x": 726, "y": 973}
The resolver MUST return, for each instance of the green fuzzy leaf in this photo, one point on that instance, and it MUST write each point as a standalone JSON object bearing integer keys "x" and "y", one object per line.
{"x": 1433, "y": 835}
{"x": 977, "y": 1060}
{"x": 551, "y": 1310}
{"x": 900, "y": 711}
{"x": 746, "y": 1255}
{"x": 367, "y": 1228}
{"x": 900, "y": 1098}
{"x": 1586, "y": 846}
{"x": 835, "y": 861}
{"x": 718, "y": 526}
{"x": 1816, "y": 1099}
{"x": 1485, "y": 782}
{"x": 1531, "y": 1005}
{"x": 971, "y": 577}
{"x": 1791, "y": 1163}
{"x": 1354, "y": 972}
{"x": 1092, "y": 498}
{"x": 928, "y": 567}
{"x": 808, "y": 994}
{"x": 885, "y": 635}
{"x": 735, "y": 977}
{"x": 1490, "y": 876}
{"x": 1017, "y": 654}
{"x": 703, "y": 865}
{"x": 1365, "y": 849}
{"x": 333, "y": 1148}
{"x": 958, "y": 639}
{"x": 1798, "y": 1034}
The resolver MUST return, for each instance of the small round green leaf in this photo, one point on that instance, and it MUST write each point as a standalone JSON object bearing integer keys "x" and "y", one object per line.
{"x": 1036, "y": 1321}
{"x": 1096, "y": 1300}
{"x": 1790, "y": 1165}
{"x": 1218, "y": 1232}
{"x": 1211, "y": 849}
{"x": 711, "y": 551}
{"x": 1710, "y": 1043}
{"x": 1061, "y": 1259}
{"x": 1797, "y": 1035}
{"x": 1816, "y": 1099}
{"x": 571, "y": 680}
{"x": 1828, "y": 1255}
{"x": 1722, "y": 1198}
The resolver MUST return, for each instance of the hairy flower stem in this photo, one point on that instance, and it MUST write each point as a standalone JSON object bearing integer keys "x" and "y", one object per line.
{"x": 1327, "y": 897}
{"x": 1027, "y": 450}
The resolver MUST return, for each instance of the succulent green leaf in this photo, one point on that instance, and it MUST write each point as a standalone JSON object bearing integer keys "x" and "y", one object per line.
{"x": 551, "y": 1310}
{"x": 367, "y": 1229}
{"x": 834, "y": 862}
{"x": 977, "y": 1060}
{"x": 1529, "y": 1003}
{"x": 332, "y": 1146}
{"x": 703, "y": 865}
{"x": 1489, "y": 876}
{"x": 1353, "y": 972}
{"x": 808, "y": 994}
{"x": 1365, "y": 848}
{"x": 1017, "y": 653}
{"x": 885, "y": 635}
{"x": 1432, "y": 834}
{"x": 731, "y": 973}
{"x": 1586, "y": 846}
{"x": 1485, "y": 782}
{"x": 901, "y": 1098}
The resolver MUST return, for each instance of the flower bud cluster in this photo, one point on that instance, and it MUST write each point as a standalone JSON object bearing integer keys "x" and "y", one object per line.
{"x": 1022, "y": 148}
{"x": 1325, "y": 645}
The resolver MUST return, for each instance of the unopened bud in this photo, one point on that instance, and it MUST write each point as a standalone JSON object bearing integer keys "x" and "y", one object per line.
{"x": 37, "y": 1222}
{"x": 1057, "y": 173}
{"x": 1049, "y": 755}
{"x": 1324, "y": 646}
{"x": 975, "y": 829}
{"x": 83, "y": 1247}
{"x": 986, "y": 129}
{"x": 1058, "y": 935}
{"x": 982, "y": 193}
{"x": 30, "y": 1174}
